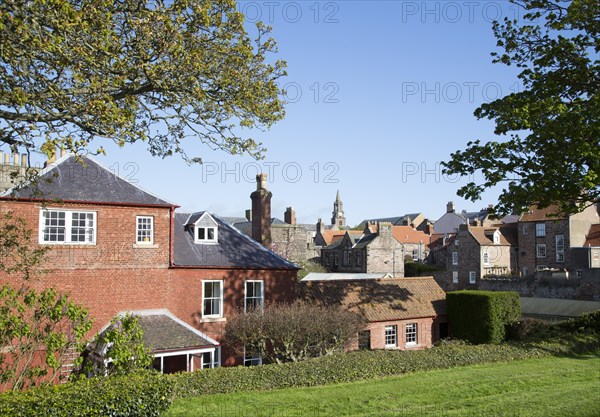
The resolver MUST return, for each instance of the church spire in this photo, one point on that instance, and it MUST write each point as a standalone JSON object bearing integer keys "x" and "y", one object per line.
{"x": 338, "y": 218}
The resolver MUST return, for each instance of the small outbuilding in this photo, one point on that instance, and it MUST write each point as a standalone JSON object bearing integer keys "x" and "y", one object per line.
{"x": 399, "y": 313}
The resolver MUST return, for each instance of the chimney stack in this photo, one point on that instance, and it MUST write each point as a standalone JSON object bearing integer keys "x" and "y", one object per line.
{"x": 289, "y": 216}
{"x": 261, "y": 212}
{"x": 450, "y": 207}
{"x": 249, "y": 215}
{"x": 320, "y": 226}
{"x": 384, "y": 229}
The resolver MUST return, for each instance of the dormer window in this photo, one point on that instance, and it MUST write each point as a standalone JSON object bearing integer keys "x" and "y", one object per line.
{"x": 206, "y": 234}
{"x": 206, "y": 230}
{"x": 496, "y": 237}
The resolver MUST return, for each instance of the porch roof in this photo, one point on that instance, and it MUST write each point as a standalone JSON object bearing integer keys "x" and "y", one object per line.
{"x": 164, "y": 332}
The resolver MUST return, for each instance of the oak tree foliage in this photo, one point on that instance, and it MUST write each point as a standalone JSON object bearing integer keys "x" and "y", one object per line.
{"x": 73, "y": 72}
{"x": 550, "y": 150}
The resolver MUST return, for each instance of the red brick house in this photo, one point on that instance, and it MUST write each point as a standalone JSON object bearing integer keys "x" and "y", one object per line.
{"x": 116, "y": 248}
{"x": 401, "y": 313}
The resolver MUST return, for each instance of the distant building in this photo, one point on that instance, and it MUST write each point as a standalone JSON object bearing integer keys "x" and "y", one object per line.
{"x": 293, "y": 241}
{"x": 451, "y": 220}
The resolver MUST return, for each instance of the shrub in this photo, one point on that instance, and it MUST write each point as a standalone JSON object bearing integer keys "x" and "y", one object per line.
{"x": 343, "y": 367}
{"x": 415, "y": 269}
{"x": 481, "y": 316}
{"x": 526, "y": 328}
{"x": 587, "y": 322}
{"x": 292, "y": 332}
{"x": 141, "y": 394}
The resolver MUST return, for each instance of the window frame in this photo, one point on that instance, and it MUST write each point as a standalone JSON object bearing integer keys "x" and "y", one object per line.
{"x": 455, "y": 277}
{"x": 390, "y": 333}
{"x": 454, "y": 258}
{"x": 262, "y": 293}
{"x": 252, "y": 359}
{"x": 472, "y": 277}
{"x": 362, "y": 336}
{"x": 411, "y": 332}
{"x": 220, "y": 298}
{"x": 560, "y": 253}
{"x": 540, "y": 230}
{"x": 538, "y": 247}
{"x": 138, "y": 230}
{"x": 486, "y": 257}
{"x": 68, "y": 227}
{"x": 206, "y": 240}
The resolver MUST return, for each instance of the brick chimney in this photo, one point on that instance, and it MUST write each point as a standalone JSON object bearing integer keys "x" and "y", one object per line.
{"x": 289, "y": 216}
{"x": 450, "y": 207}
{"x": 261, "y": 212}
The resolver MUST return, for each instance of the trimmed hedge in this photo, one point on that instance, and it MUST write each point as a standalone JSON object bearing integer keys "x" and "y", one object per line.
{"x": 482, "y": 316}
{"x": 142, "y": 394}
{"x": 343, "y": 367}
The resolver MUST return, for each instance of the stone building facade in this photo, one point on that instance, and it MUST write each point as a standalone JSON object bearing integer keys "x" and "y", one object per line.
{"x": 545, "y": 241}
{"x": 369, "y": 252}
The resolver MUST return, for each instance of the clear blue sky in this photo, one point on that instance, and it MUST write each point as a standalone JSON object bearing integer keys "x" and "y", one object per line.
{"x": 380, "y": 92}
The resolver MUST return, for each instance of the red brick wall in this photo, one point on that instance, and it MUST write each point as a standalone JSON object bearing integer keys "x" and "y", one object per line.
{"x": 114, "y": 275}
{"x": 427, "y": 334}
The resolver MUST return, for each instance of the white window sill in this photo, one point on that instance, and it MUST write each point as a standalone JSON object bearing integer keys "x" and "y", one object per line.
{"x": 412, "y": 345}
{"x": 212, "y": 319}
{"x": 391, "y": 346}
{"x": 144, "y": 246}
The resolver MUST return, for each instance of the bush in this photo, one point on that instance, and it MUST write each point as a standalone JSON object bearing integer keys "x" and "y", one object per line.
{"x": 141, "y": 394}
{"x": 343, "y": 367}
{"x": 526, "y": 328}
{"x": 482, "y": 316}
{"x": 587, "y": 322}
{"x": 415, "y": 269}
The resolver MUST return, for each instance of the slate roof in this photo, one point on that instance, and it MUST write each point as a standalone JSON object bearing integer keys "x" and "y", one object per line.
{"x": 593, "y": 236}
{"x": 70, "y": 180}
{"x": 162, "y": 333}
{"x": 233, "y": 250}
{"x": 395, "y": 220}
{"x": 384, "y": 299}
{"x": 552, "y": 307}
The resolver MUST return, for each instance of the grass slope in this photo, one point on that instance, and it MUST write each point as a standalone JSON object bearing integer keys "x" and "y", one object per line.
{"x": 537, "y": 387}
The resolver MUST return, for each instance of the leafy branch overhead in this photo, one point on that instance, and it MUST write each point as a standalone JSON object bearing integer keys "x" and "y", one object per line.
{"x": 159, "y": 72}
{"x": 550, "y": 153}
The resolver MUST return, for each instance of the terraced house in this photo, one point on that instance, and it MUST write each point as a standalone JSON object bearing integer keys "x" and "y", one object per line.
{"x": 116, "y": 248}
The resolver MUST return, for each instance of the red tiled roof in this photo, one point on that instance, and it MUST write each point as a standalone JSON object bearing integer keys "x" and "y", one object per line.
{"x": 382, "y": 299}
{"x": 537, "y": 214}
{"x": 331, "y": 236}
{"x": 406, "y": 234}
{"x": 593, "y": 236}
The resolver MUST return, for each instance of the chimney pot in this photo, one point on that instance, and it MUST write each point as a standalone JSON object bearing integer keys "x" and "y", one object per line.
{"x": 24, "y": 160}
{"x": 261, "y": 182}
{"x": 7, "y": 159}
{"x": 450, "y": 207}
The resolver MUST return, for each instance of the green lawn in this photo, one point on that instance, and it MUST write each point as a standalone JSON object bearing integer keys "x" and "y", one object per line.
{"x": 537, "y": 387}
